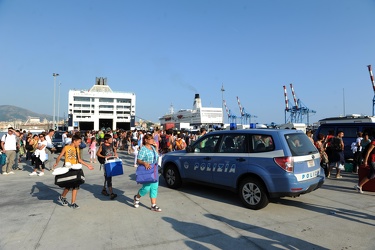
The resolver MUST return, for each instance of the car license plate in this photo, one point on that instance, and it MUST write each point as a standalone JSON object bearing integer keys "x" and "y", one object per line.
{"x": 310, "y": 163}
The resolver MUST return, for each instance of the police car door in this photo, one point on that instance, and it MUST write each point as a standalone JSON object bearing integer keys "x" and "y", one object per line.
{"x": 198, "y": 164}
{"x": 230, "y": 160}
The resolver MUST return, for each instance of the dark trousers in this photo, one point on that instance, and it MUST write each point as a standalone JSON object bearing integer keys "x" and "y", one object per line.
{"x": 357, "y": 161}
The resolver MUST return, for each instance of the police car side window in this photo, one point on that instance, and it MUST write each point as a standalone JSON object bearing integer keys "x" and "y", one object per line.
{"x": 207, "y": 145}
{"x": 233, "y": 144}
{"x": 262, "y": 143}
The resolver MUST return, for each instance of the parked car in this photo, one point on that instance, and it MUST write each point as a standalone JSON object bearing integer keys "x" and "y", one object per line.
{"x": 259, "y": 164}
{"x": 57, "y": 141}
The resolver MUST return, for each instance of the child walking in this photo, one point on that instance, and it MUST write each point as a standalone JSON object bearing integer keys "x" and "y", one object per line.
{"x": 71, "y": 154}
{"x": 106, "y": 150}
{"x": 135, "y": 148}
{"x": 92, "y": 150}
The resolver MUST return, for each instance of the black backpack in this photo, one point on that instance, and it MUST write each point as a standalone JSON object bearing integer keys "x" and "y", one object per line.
{"x": 101, "y": 160}
{"x": 164, "y": 142}
{"x": 336, "y": 144}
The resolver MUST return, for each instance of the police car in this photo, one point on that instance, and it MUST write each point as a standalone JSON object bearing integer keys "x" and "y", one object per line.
{"x": 259, "y": 164}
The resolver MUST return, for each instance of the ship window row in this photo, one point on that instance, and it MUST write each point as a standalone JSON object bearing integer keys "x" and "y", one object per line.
{"x": 109, "y": 100}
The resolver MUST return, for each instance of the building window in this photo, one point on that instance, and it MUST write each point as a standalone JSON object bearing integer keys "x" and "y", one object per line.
{"x": 123, "y": 101}
{"x": 105, "y": 112}
{"x": 105, "y": 106}
{"x": 81, "y": 99}
{"x": 105, "y": 99}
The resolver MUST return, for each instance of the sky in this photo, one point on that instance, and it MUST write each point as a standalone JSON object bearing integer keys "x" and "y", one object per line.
{"x": 166, "y": 51}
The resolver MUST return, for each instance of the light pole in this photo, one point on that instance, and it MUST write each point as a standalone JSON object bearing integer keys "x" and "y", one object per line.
{"x": 222, "y": 102}
{"x": 58, "y": 105}
{"x": 54, "y": 98}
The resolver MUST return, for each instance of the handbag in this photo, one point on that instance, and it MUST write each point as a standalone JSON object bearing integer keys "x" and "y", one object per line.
{"x": 70, "y": 179}
{"x": 145, "y": 176}
{"x": 3, "y": 159}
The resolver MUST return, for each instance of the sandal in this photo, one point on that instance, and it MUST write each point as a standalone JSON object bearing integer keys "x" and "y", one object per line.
{"x": 136, "y": 201}
{"x": 155, "y": 208}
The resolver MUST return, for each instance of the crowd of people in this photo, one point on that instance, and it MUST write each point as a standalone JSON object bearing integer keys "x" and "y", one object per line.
{"x": 331, "y": 149}
{"x": 38, "y": 149}
{"x": 146, "y": 147}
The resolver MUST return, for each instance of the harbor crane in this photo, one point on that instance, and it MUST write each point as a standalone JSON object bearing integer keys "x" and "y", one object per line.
{"x": 244, "y": 115}
{"x": 373, "y": 87}
{"x": 231, "y": 117}
{"x": 299, "y": 112}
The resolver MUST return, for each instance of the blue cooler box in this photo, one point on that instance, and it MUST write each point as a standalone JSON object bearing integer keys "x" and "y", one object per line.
{"x": 113, "y": 167}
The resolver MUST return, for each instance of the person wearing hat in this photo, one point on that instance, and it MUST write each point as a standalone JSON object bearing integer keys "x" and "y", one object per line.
{"x": 9, "y": 147}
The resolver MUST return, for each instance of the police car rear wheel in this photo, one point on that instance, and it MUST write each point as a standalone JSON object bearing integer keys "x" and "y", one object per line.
{"x": 253, "y": 194}
{"x": 172, "y": 177}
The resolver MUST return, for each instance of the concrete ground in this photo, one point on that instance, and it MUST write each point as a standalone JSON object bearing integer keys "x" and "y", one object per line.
{"x": 193, "y": 217}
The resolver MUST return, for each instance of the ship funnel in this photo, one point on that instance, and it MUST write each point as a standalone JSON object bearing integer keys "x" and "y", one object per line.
{"x": 197, "y": 102}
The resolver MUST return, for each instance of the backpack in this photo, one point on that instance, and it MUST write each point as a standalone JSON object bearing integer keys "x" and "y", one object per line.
{"x": 101, "y": 160}
{"x": 336, "y": 144}
{"x": 164, "y": 142}
{"x": 179, "y": 144}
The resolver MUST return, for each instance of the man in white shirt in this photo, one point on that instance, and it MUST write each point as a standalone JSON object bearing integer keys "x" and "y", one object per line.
{"x": 9, "y": 146}
{"x": 50, "y": 148}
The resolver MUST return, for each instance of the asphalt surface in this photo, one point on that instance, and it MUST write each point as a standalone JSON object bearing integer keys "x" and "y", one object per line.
{"x": 193, "y": 217}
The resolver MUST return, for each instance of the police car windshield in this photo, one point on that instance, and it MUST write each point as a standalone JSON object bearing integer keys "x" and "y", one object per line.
{"x": 299, "y": 144}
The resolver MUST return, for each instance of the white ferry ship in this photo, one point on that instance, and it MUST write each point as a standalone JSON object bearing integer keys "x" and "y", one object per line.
{"x": 197, "y": 117}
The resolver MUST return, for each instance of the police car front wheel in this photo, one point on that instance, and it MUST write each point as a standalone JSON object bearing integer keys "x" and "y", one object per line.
{"x": 253, "y": 193}
{"x": 172, "y": 177}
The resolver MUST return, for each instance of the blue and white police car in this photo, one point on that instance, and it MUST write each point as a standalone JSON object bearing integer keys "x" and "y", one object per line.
{"x": 259, "y": 164}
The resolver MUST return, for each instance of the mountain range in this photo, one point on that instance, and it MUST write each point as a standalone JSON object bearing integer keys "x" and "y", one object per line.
{"x": 11, "y": 113}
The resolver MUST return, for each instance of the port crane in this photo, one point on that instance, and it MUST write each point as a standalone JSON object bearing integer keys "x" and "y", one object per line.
{"x": 244, "y": 115}
{"x": 231, "y": 117}
{"x": 299, "y": 111}
{"x": 373, "y": 87}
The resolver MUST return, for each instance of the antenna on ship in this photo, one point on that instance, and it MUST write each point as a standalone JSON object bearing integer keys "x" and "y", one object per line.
{"x": 373, "y": 87}
{"x": 171, "y": 110}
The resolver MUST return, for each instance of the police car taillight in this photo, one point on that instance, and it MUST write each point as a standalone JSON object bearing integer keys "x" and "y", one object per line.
{"x": 285, "y": 163}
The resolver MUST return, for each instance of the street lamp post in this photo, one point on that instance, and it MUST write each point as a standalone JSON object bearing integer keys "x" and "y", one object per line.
{"x": 54, "y": 98}
{"x": 58, "y": 105}
{"x": 222, "y": 102}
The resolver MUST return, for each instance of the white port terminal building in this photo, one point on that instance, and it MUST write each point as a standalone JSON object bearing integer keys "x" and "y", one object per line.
{"x": 100, "y": 107}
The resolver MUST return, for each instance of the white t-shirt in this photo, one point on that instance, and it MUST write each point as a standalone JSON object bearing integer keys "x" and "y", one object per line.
{"x": 49, "y": 141}
{"x": 10, "y": 141}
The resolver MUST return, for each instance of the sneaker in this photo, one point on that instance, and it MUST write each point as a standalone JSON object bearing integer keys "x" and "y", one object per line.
{"x": 155, "y": 208}
{"x": 359, "y": 189}
{"x": 63, "y": 201}
{"x": 5, "y": 173}
{"x": 136, "y": 201}
{"x": 113, "y": 196}
{"x": 104, "y": 192}
{"x": 33, "y": 173}
{"x": 74, "y": 206}
{"x": 11, "y": 172}
{"x": 41, "y": 174}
